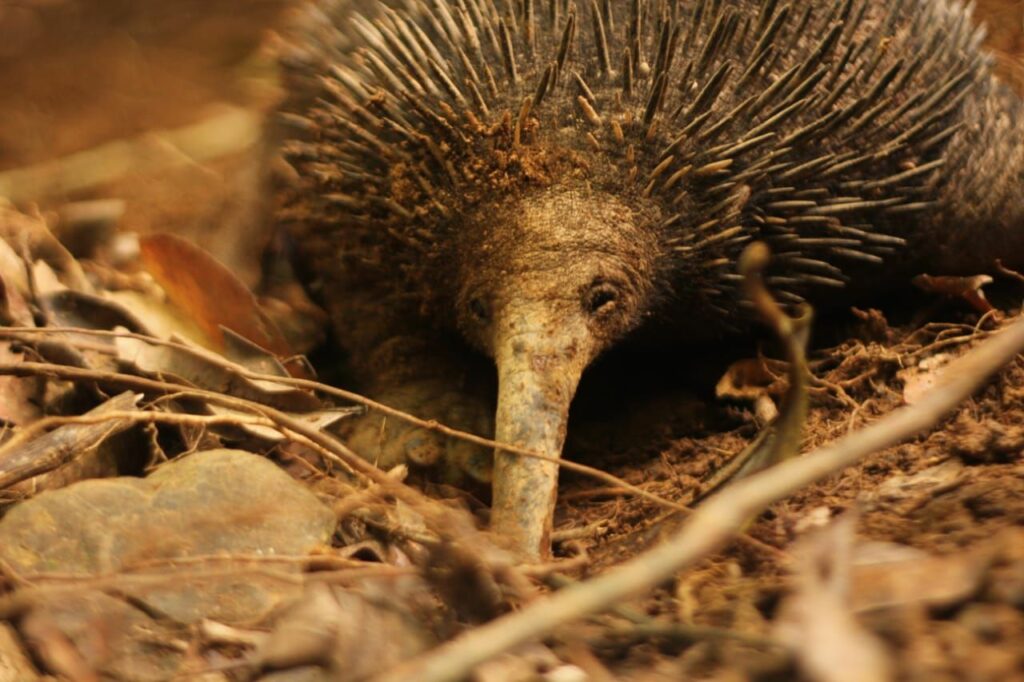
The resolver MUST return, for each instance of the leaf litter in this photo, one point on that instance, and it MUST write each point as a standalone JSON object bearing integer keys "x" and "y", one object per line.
{"x": 123, "y": 357}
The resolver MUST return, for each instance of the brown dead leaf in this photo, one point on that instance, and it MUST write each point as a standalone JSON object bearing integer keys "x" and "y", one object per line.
{"x": 256, "y": 358}
{"x": 913, "y": 577}
{"x": 817, "y": 621}
{"x": 22, "y": 460}
{"x": 201, "y": 367}
{"x": 320, "y": 420}
{"x": 197, "y": 283}
{"x": 163, "y": 319}
{"x": 749, "y": 379}
{"x": 29, "y": 236}
{"x": 351, "y": 634}
{"x": 69, "y": 308}
{"x": 967, "y": 288}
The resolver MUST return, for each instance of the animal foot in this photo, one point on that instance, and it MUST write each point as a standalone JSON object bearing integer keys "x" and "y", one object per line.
{"x": 388, "y": 441}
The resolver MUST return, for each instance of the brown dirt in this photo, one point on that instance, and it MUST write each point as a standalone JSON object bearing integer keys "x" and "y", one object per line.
{"x": 976, "y": 507}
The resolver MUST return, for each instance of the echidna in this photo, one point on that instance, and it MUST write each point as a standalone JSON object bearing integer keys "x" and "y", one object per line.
{"x": 546, "y": 179}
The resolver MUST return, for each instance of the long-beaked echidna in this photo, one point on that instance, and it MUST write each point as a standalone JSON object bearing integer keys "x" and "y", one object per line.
{"x": 546, "y": 178}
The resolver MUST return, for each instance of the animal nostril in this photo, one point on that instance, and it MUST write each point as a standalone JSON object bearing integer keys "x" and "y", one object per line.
{"x": 479, "y": 309}
{"x": 600, "y": 299}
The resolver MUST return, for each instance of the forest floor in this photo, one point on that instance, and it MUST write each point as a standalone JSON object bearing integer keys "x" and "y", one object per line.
{"x": 908, "y": 564}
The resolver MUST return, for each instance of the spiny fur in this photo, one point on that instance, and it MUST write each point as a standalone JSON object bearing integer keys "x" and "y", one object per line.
{"x": 731, "y": 120}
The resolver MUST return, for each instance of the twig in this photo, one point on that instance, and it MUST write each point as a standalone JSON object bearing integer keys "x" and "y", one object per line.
{"x": 449, "y": 524}
{"x": 780, "y": 440}
{"x": 710, "y": 526}
{"x": 429, "y": 424}
{"x": 16, "y": 603}
{"x": 1007, "y": 272}
{"x": 936, "y": 346}
{"x": 20, "y": 460}
{"x": 130, "y": 418}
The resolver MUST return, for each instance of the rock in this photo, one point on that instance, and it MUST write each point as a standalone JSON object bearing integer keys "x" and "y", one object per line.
{"x": 217, "y": 503}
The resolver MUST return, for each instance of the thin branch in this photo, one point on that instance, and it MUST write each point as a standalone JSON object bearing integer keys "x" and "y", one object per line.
{"x": 710, "y": 526}
{"x": 338, "y": 455}
{"x": 429, "y": 424}
{"x": 21, "y": 458}
{"x": 449, "y": 524}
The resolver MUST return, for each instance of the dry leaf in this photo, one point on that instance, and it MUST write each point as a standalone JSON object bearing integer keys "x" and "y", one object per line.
{"x": 749, "y": 379}
{"x": 214, "y": 297}
{"x": 160, "y": 316}
{"x": 29, "y": 236}
{"x": 205, "y": 369}
{"x": 22, "y": 460}
{"x": 967, "y": 288}
{"x": 913, "y": 577}
{"x": 817, "y": 621}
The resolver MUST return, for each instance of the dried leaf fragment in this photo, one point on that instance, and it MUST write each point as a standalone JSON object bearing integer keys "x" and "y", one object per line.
{"x": 967, "y": 288}
{"x": 196, "y": 282}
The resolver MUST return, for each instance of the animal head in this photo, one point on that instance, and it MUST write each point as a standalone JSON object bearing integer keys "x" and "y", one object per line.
{"x": 579, "y": 263}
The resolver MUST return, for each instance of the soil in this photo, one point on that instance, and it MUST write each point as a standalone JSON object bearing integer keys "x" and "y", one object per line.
{"x": 948, "y": 504}
{"x": 955, "y": 491}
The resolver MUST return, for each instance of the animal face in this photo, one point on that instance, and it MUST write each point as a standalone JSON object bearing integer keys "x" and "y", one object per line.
{"x": 567, "y": 263}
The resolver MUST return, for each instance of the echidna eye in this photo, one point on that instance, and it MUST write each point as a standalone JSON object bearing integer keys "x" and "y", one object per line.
{"x": 478, "y": 308}
{"x": 601, "y": 298}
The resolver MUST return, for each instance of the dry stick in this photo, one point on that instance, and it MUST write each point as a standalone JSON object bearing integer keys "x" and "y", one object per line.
{"x": 307, "y": 384}
{"x": 710, "y": 526}
{"x": 26, "y": 434}
{"x": 447, "y": 524}
{"x": 598, "y": 474}
{"x": 430, "y": 424}
{"x": 339, "y": 452}
{"x": 17, "y": 603}
{"x": 336, "y": 450}
{"x": 21, "y": 458}
{"x": 302, "y": 561}
{"x": 27, "y": 462}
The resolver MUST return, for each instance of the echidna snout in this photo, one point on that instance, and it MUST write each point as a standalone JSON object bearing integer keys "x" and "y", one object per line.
{"x": 546, "y": 283}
